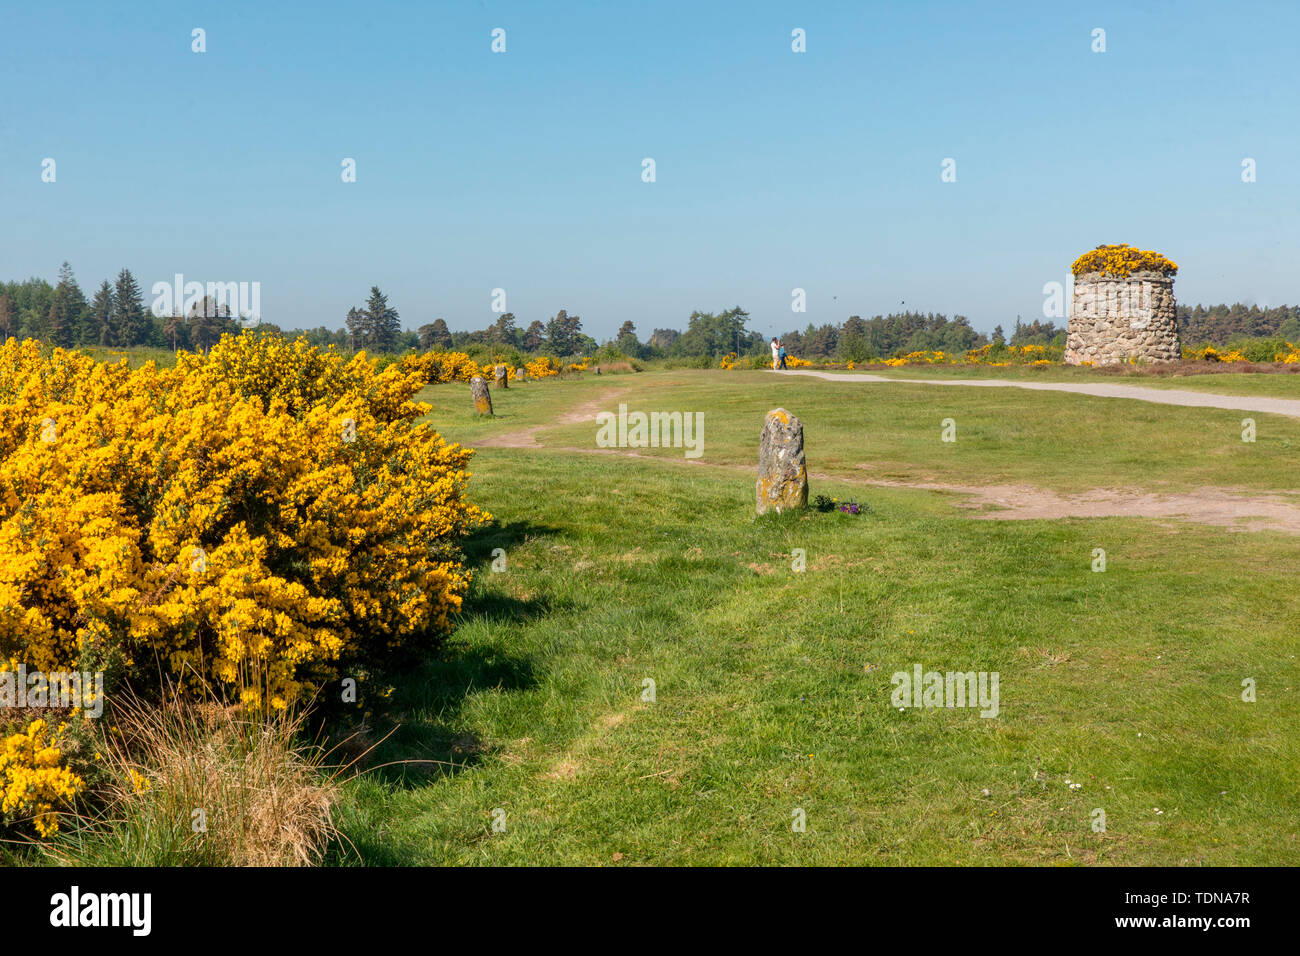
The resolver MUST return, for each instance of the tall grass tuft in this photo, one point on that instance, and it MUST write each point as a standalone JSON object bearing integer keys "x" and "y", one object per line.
{"x": 204, "y": 785}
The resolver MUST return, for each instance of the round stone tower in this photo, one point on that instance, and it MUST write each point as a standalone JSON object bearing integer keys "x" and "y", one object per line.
{"x": 1121, "y": 318}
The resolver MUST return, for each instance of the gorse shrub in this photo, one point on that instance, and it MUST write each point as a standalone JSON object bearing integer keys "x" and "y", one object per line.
{"x": 542, "y": 367}
{"x": 434, "y": 368}
{"x": 1261, "y": 349}
{"x": 1122, "y": 260}
{"x": 34, "y": 778}
{"x": 270, "y": 367}
{"x": 261, "y": 519}
{"x": 437, "y": 366}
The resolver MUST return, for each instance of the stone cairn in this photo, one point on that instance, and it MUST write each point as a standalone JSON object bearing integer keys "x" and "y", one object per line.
{"x": 502, "y": 376}
{"x": 478, "y": 389}
{"x": 1114, "y": 319}
{"x": 782, "y": 471}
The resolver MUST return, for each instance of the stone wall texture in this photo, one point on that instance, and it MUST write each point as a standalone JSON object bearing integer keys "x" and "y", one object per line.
{"x": 1117, "y": 320}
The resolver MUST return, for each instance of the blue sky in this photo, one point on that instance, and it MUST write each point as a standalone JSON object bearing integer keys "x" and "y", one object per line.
{"x": 775, "y": 170}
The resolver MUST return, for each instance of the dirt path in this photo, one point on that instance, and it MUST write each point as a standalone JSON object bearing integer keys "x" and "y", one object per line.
{"x": 1233, "y": 508}
{"x": 1162, "y": 396}
{"x": 527, "y": 437}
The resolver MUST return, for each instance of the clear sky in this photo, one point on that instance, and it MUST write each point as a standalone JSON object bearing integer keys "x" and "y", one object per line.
{"x": 774, "y": 169}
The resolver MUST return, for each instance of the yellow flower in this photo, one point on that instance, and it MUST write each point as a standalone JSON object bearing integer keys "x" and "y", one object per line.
{"x": 33, "y": 779}
{"x": 1122, "y": 260}
{"x": 266, "y": 517}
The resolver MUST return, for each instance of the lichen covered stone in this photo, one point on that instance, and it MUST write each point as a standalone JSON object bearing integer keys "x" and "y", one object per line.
{"x": 782, "y": 471}
{"x": 478, "y": 390}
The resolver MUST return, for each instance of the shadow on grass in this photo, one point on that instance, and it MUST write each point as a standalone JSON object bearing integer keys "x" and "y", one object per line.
{"x": 420, "y": 735}
{"x": 479, "y": 546}
{"x": 424, "y": 738}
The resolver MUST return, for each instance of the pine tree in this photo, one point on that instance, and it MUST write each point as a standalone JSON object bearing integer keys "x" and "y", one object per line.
{"x": 99, "y": 323}
{"x": 66, "y": 310}
{"x": 357, "y": 330}
{"x": 208, "y": 321}
{"x": 54, "y": 329}
{"x": 562, "y": 333}
{"x": 8, "y": 317}
{"x": 382, "y": 322}
{"x": 174, "y": 330}
{"x": 504, "y": 330}
{"x": 534, "y": 337}
{"x": 435, "y": 335}
{"x": 129, "y": 324}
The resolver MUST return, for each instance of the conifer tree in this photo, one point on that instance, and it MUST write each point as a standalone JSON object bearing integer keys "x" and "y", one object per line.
{"x": 8, "y": 317}
{"x": 129, "y": 324}
{"x": 100, "y": 316}
{"x": 63, "y": 324}
{"x": 382, "y": 321}
{"x": 435, "y": 335}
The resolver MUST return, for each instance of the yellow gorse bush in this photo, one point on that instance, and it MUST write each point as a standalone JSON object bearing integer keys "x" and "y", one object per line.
{"x": 984, "y": 355}
{"x": 265, "y": 517}
{"x": 1122, "y": 260}
{"x": 34, "y": 779}
{"x": 542, "y": 367}
{"x": 1211, "y": 354}
{"x": 437, "y": 366}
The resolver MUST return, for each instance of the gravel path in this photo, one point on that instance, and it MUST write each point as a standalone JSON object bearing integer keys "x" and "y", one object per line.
{"x": 1231, "y": 508}
{"x": 1243, "y": 403}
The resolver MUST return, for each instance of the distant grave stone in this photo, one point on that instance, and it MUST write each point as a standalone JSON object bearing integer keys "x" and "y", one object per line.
{"x": 478, "y": 389}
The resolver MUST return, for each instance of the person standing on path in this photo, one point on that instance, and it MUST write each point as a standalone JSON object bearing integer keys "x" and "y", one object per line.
{"x": 781, "y": 354}
{"x": 776, "y": 348}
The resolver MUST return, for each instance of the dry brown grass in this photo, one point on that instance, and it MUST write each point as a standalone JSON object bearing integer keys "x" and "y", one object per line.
{"x": 202, "y": 784}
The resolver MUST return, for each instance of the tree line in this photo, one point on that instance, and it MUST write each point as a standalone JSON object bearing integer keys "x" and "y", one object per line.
{"x": 116, "y": 316}
{"x": 1218, "y": 324}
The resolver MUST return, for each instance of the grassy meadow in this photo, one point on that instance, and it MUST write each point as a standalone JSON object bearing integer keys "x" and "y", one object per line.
{"x": 535, "y": 738}
{"x": 1281, "y": 383}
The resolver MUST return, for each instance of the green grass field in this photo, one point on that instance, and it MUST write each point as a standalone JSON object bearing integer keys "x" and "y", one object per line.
{"x": 772, "y": 688}
{"x": 892, "y": 431}
{"x": 1280, "y": 384}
